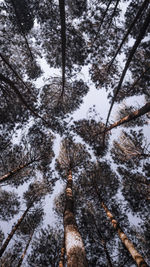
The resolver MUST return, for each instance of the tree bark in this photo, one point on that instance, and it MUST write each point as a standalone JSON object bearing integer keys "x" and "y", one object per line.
{"x": 25, "y": 250}
{"x": 128, "y": 244}
{"x": 73, "y": 242}
{"x": 63, "y": 41}
{"x": 14, "y": 171}
{"x": 143, "y": 6}
{"x": 132, "y": 116}
{"x": 142, "y": 32}
{"x": 5, "y": 244}
{"x": 61, "y": 262}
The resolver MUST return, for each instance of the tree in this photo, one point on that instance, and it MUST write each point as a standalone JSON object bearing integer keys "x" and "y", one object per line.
{"x": 69, "y": 160}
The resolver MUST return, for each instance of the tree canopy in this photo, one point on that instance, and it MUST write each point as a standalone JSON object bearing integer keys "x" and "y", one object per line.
{"x": 74, "y": 133}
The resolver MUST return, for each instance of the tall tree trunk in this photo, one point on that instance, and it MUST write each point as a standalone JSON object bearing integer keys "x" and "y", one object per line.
{"x": 12, "y": 69}
{"x": 73, "y": 242}
{"x": 103, "y": 244}
{"x": 143, "y": 6}
{"x": 12, "y": 85}
{"x": 61, "y": 262}
{"x": 14, "y": 171}
{"x": 103, "y": 17}
{"x": 128, "y": 244}
{"x": 63, "y": 41}
{"x": 132, "y": 116}
{"x": 21, "y": 29}
{"x": 142, "y": 32}
{"x": 25, "y": 250}
{"x": 5, "y": 244}
{"x": 114, "y": 11}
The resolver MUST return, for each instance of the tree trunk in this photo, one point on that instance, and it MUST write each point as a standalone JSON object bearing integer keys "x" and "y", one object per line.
{"x": 63, "y": 41}
{"x": 5, "y": 244}
{"x": 142, "y": 32}
{"x": 114, "y": 11}
{"x": 12, "y": 69}
{"x": 61, "y": 262}
{"x": 22, "y": 99}
{"x": 103, "y": 244}
{"x": 132, "y": 116}
{"x": 73, "y": 242}
{"x": 128, "y": 244}
{"x": 103, "y": 17}
{"x": 25, "y": 250}
{"x": 143, "y": 6}
{"x": 21, "y": 29}
{"x": 14, "y": 171}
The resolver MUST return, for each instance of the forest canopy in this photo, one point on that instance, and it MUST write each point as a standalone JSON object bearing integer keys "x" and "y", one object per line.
{"x": 74, "y": 133}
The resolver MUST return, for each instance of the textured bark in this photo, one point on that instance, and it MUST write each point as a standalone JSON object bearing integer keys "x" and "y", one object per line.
{"x": 132, "y": 116}
{"x": 143, "y": 6}
{"x": 63, "y": 41}
{"x": 14, "y": 171}
{"x": 128, "y": 244}
{"x": 14, "y": 229}
{"x": 25, "y": 250}
{"x": 61, "y": 262}
{"x": 73, "y": 242}
{"x": 142, "y": 32}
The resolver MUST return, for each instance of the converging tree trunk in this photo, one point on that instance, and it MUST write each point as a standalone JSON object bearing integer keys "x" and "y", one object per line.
{"x": 21, "y": 29}
{"x": 25, "y": 250}
{"x": 63, "y": 41}
{"x": 61, "y": 262}
{"x": 143, "y": 6}
{"x": 142, "y": 32}
{"x": 132, "y": 116}
{"x": 5, "y": 244}
{"x": 73, "y": 242}
{"x": 16, "y": 170}
{"x": 128, "y": 244}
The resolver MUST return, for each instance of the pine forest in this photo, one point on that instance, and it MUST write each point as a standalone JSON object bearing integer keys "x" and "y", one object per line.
{"x": 74, "y": 133}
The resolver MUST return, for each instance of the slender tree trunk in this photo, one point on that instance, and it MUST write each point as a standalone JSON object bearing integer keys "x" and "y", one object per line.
{"x": 5, "y": 244}
{"x": 12, "y": 85}
{"x": 61, "y": 262}
{"x": 63, "y": 41}
{"x": 103, "y": 17}
{"x": 143, "y": 6}
{"x": 104, "y": 244}
{"x": 142, "y": 32}
{"x": 25, "y": 250}
{"x": 73, "y": 242}
{"x": 132, "y": 116}
{"x": 128, "y": 244}
{"x": 14, "y": 171}
{"x": 114, "y": 11}
{"x": 21, "y": 29}
{"x": 12, "y": 69}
